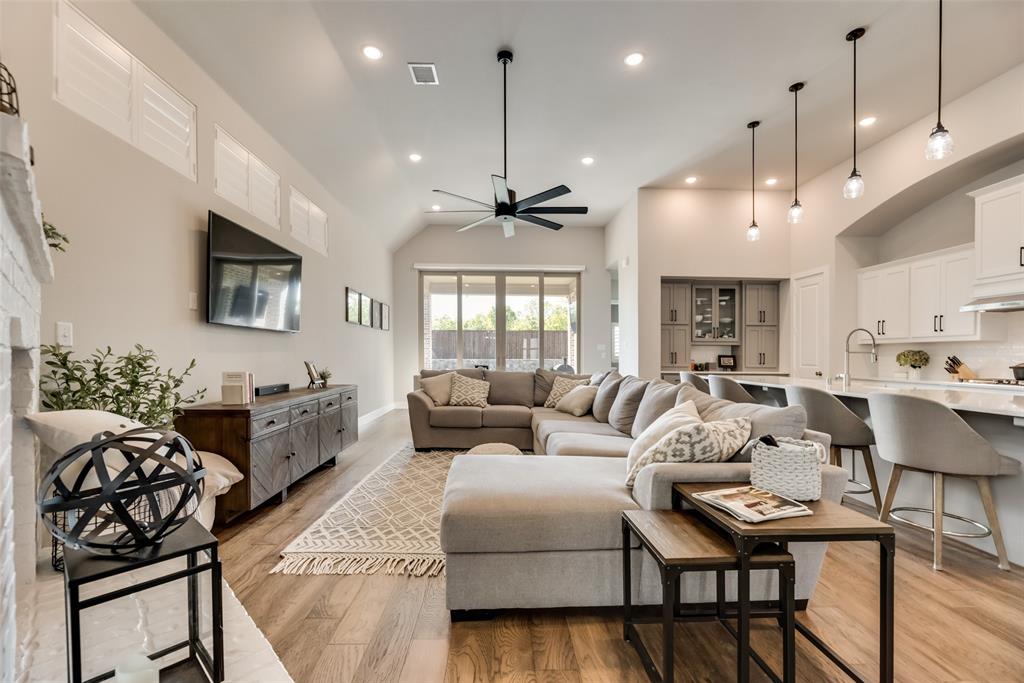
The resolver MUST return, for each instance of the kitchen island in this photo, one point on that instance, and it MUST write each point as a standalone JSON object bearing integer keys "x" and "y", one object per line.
{"x": 995, "y": 412}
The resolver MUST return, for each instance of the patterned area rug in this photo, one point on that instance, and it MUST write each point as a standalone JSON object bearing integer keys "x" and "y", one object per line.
{"x": 389, "y": 523}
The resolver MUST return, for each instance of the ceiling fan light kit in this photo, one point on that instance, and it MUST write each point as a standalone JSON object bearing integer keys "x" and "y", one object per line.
{"x": 940, "y": 142}
{"x": 854, "y": 186}
{"x": 506, "y": 207}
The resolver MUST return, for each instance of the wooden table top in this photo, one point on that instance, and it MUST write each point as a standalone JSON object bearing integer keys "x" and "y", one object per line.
{"x": 683, "y": 539}
{"x": 830, "y": 519}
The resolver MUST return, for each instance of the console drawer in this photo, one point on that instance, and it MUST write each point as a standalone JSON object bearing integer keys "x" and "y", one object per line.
{"x": 268, "y": 422}
{"x": 304, "y": 410}
{"x": 330, "y": 403}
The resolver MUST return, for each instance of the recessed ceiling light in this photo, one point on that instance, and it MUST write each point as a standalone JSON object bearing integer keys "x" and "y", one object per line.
{"x": 435, "y": 207}
{"x": 771, "y": 181}
{"x": 690, "y": 180}
{"x": 415, "y": 158}
{"x": 372, "y": 52}
{"x": 868, "y": 121}
{"x": 587, "y": 161}
{"x": 634, "y": 59}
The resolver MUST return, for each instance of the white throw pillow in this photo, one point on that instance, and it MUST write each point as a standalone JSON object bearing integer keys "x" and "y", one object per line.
{"x": 62, "y": 430}
{"x": 562, "y": 386}
{"x": 672, "y": 419}
{"x": 467, "y": 391}
{"x": 438, "y": 388}
{"x": 220, "y": 474}
{"x": 578, "y": 401}
{"x": 703, "y": 442}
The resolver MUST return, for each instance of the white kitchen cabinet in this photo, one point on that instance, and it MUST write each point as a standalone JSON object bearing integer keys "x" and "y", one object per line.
{"x": 919, "y": 299}
{"x": 999, "y": 238}
{"x": 761, "y": 304}
{"x": 761, "y": 348}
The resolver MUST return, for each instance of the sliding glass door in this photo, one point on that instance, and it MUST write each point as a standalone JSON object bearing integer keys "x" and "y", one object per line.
{"x": 504, "y": 321}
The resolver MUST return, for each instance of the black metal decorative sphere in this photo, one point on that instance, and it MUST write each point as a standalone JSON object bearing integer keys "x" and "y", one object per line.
{"x": 121, "y": 493}
{"x": 8, "y": 92}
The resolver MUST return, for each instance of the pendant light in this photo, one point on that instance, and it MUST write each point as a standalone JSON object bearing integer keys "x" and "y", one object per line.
{"x": 854, "y": 186}
{"x": 940, "y": 142}
{"x": 796, "y": 210}
{"x": 753, "y": 232}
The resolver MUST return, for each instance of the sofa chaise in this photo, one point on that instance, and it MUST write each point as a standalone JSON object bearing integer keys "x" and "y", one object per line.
{"x": 537, "y": 532}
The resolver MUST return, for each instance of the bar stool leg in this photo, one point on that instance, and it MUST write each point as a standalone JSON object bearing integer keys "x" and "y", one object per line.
{"x": 985, "y": 491}
{"x": 938, "y": 505}
{"x": 890, "y": 492}
{"x": 869, "y": 465}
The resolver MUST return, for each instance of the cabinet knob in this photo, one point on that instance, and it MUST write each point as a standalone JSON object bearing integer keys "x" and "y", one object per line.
{"x": 341, "y": 430}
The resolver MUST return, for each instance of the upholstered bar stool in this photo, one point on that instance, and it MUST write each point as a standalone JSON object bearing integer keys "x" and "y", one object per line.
{"x": 826, "y": 413}
{"x": 729, "y": 389}
{"x": 919, "y": 435}
{"x": 696, "y": 380}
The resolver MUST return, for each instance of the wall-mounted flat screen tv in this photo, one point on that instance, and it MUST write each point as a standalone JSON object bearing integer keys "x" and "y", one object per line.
{"x": 251, "y": 282}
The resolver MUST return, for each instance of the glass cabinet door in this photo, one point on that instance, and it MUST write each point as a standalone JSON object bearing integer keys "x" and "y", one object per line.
{"x": 727, "y": 309}
{"x": 703, "y": 313}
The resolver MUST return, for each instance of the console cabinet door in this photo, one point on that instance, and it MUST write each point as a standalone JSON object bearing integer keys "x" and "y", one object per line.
{"x": 305, "y": 448}
{"x": 349, "y": 424}
{"x": 268, "y": 465}
{"x": 330, "y": 434}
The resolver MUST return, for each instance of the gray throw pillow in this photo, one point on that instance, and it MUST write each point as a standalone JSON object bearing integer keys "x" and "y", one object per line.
{"x": 606, "y": 394}
{"x": 790, "y": 422}
{"x": 543, "y": 380}
{"x": 623, "y": 412}
{"x": 598, "y": 377}
{"x": 659, "y": 397}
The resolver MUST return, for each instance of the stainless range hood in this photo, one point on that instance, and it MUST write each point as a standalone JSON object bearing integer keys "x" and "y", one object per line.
{"x": 995, "y": 304}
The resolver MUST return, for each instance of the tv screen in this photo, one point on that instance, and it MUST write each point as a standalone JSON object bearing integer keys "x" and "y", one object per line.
{"x": 251, "y": 282}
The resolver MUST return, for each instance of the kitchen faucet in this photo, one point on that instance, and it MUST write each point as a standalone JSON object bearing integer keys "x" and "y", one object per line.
{"x": 846, "y": 359}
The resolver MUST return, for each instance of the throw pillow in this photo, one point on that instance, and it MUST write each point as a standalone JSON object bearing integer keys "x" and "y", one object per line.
{"x": 680, "y": 416}
{"x": 598, "y": 377}
{"x": 704, "y": 442}
{"x": 438, "y": 388}
{"x": 62, "y": 430}
{"x": 220, "y": 474}
{"x": 578, "y": 401}
{"x": 543, "y": 381}
{"x": 469, "y": 392}
{"x": 659, "y": 397}
{"x": 606, "y": 394}
{"x": 790, "y": 422}
{"x": 562, "y": 386}
{"x": 623, "y": 411}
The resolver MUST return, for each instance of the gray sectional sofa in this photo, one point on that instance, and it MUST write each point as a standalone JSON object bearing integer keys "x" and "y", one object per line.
{"x": 536, "y": 532}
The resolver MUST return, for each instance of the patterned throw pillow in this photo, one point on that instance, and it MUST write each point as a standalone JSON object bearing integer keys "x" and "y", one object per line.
{"x": 469, "y": 392}
{"x": 562, "y": 386}
{"x": 705, "y": 442}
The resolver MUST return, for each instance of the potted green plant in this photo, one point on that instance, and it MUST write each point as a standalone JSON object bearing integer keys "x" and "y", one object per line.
{"x": 913, "y": 359}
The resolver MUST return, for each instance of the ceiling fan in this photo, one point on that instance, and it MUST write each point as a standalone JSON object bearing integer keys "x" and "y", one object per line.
{"x": 506, "y": 207}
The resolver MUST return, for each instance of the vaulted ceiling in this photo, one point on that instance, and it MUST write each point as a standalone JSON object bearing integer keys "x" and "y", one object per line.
{"x": 710, "y": 67}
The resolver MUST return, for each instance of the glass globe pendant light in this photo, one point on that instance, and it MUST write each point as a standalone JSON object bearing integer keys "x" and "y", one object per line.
{"x": 854, "y": 186}
{"x": 796, "y": 210}
{"x": 940, "y": 142}
{"x": 753, "y": 231}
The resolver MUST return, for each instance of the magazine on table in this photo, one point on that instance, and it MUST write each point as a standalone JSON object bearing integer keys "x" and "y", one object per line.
{"x": 750, "y": 504}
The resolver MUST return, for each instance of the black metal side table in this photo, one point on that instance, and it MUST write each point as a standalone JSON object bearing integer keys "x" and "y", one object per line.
{"x": 681, "y": 542}
{"x": 192, "y": 542}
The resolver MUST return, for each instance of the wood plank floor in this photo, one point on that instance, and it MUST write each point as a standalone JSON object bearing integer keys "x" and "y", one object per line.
{"x": 963, "y": 624}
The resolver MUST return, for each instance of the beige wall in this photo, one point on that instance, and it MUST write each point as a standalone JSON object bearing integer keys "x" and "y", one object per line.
{"x": 980, "y": 121}
{"x": 702, "y": 233}
{"x": 621, "y": 255}
{"x": 138, "y": 228}
{"x": 485, "y": 245}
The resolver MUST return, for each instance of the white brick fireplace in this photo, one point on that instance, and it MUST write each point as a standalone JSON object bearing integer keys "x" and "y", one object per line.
{"x": 24, "y": 266}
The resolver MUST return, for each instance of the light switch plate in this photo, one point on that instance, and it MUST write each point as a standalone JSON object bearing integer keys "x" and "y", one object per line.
{"x": 193, "y": 301}
{"x": 65, "y": 334}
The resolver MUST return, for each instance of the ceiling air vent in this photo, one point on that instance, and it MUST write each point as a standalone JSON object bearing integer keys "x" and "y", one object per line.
{"x": 423, "y": 73}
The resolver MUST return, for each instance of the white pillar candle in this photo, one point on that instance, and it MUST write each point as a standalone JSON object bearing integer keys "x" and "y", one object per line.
{"x": 137, "y": 668}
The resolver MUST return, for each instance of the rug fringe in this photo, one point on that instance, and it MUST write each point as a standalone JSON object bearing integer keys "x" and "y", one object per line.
{"x": 348, "y": 564}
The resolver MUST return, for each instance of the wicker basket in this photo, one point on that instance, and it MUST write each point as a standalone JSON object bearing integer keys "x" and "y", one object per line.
{"x": 792, "y": 469}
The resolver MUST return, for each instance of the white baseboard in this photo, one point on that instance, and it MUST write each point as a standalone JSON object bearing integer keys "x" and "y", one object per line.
{"x": 374, "y": 415}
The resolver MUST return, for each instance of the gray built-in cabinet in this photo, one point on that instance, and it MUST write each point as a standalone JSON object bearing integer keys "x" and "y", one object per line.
{"x": 743, "y": 316}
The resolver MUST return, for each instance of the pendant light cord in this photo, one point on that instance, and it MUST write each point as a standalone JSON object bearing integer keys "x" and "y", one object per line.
{"x": 796, "y": 157}
{"x": 855, "y": 104}
{"x": 753, "y": 213}
{"x": 504, "y": 117}
{"x": 940, "y": 65}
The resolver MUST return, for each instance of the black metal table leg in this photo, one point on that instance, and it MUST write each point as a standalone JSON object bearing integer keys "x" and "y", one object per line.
{"x": 668, "y": 622}
{"x": 74, "y": 630}
{"x": 787, "y": 588}
{"x": 743, "y": 615}
{"x": 720, "y": 594}
{"x": 217, "y": 616}
{"x": 192, "y": 583}
{"x": 887, "y": 552}
{"x": 627, "y": 582}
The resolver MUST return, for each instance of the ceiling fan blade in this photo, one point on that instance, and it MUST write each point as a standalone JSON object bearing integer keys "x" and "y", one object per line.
{"x": 500, "y": 190}
{"x": 559, "y": 209}
{"x": 462, "y": 211}
{"x": 474, "y": 224}
{"x": 544, "y": 196}
{"x": 509, "y": 227}
{"x": 542, "y": 222}
{"x": 459, "y": 196}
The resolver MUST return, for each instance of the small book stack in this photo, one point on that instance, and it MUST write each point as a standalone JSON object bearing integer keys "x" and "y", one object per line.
{"x": 237, "y": 388}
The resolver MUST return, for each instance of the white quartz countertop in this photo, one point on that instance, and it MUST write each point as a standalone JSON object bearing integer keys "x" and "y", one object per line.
{"x": 971, "y": 398}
